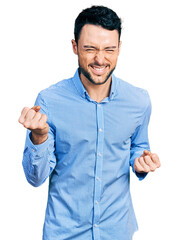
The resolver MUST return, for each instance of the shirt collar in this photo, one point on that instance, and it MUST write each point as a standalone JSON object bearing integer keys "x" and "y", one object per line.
{"x": 83, "y": 92}
{"x": 78, "y": 84}
{"x": 113, "y": 87}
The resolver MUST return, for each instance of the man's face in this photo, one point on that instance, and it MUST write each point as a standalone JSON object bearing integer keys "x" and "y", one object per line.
{"x": 97, "y": 51}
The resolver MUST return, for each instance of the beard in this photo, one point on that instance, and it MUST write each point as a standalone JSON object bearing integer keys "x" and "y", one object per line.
{"x": 90, "y": 78}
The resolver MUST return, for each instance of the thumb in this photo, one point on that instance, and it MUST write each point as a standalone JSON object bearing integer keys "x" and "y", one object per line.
{"x": 36, "y": 108}
{"x": 147, "y": 152}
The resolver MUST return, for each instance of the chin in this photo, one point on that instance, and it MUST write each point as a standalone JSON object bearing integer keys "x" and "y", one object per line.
{"x": 99, "y": 80}
{"x": 96, "y": 79}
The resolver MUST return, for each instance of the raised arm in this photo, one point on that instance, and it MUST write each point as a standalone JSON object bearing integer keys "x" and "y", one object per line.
{"x": 39, "y": 157}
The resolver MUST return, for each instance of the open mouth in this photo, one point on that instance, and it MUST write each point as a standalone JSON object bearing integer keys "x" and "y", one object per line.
{"x": 98, "y": 70}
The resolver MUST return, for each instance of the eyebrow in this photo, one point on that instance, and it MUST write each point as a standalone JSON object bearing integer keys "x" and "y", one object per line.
{"x": 88, "y": 46}
{"x": 113, "y": 47}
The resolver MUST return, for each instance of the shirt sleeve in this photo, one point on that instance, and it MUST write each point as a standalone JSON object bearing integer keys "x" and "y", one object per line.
{"x": 140, "y": 141}
{"x": 39, "y": 160}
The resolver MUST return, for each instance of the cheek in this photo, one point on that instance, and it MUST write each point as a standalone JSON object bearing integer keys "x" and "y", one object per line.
{"x": 113, "y": 60}
{"x": 85, "y": 60}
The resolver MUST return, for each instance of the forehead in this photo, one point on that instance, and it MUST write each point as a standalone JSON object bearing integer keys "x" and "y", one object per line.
{"x": 97, "y": 35}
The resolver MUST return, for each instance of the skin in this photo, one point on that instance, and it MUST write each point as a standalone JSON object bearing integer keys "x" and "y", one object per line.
{"x": 97, "y": 50}
{"x": 147, "y": 162}
{"x": 33, "y": 120}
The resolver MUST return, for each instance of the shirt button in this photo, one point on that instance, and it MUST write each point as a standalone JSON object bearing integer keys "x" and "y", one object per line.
{"x": 98, "y": 179}
{"x": 96, "y": 202}
{"x": 95, "y": 225}
{"x": 100, "y": 129}
{"x": 99, "y": 154}
{"x": 99, "y": 105}
{"x": 33, "y": 150}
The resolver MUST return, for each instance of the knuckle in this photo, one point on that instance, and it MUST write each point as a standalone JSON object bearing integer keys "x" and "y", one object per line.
{"x": 26, "y": 124}
{"x": 32, "y": 111}
{"x": 40, "y": 125}
{"x": 138, "y": 167}
{"x": 155, "y": 155}
{"x": 38, "y": 114}
{"x": 158, "y": 165}
{"x": 20, "y": 120}
{"x": 147, "y": 159}
{"x": 141, "y": 169}
{"x": 33, "y": 125}
{"x": 140, "y": 159}
{"x": 147, "y": 170}
{"x": 25, "y": 109}
{"x": 44, "y": 116}
{"x": 152, "y": 169}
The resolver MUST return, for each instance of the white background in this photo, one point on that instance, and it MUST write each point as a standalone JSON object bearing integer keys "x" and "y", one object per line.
{"x": 35, "y": 52}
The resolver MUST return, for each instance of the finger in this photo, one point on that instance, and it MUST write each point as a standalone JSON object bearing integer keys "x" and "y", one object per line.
{"x": 156, "y": 160}
{"x": 150, "y": 163}
{"x": 137, "y": 166}
{"x": 36, "y": 108}
{"x": 35, "y": 121}
{"x": 43, "y": 118}
{"x": 23, "y": 114}
{"x": 39, "y": 122}
{"x": 143, "y": 154}
{"x": 147, "y": 152}
{"x": 146, "y": 168}
{"x": 29, "y": 118}
{"x": 43, "y": 121}
{"x": 37, "y": 116}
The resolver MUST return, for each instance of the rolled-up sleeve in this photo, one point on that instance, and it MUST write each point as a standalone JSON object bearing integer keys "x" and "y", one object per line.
{"x": 39, "y": 160}
{"x": 139, "y": 140}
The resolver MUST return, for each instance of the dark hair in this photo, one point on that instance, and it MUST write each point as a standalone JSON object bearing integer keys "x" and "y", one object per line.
{"x": 97, "y": 15}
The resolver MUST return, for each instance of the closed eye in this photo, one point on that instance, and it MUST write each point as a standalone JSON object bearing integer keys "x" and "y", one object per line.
{"x": 110, "y": 50}
{"x": 90, "y": 49}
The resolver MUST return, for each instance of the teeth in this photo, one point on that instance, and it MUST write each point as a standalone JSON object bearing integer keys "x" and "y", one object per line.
{"x": 99, "y": 69}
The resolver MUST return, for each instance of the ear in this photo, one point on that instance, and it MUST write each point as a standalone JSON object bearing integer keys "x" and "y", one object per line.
{"x": 120, "y": 43}
{"x": 74, "y": 46}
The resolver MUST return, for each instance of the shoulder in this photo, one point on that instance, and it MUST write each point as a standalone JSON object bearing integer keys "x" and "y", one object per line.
{"x": 60, "y": 88}
{"x": 135, "y": 96}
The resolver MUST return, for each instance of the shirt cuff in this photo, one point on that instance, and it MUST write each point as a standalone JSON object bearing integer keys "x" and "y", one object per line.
{"x": 35, "y": 148}
{"x": 140, "y": 176}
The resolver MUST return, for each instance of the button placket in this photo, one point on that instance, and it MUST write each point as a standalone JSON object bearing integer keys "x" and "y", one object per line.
{"x": 98, "y": 172}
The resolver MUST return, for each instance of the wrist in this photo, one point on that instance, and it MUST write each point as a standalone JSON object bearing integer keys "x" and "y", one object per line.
{"x": 38, "y": 139}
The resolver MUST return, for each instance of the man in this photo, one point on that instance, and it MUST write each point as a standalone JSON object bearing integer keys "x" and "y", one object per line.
{"x": 84, "y": 133}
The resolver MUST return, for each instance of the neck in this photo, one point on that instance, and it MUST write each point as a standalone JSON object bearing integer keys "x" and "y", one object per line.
{"x": 97, "y": 92}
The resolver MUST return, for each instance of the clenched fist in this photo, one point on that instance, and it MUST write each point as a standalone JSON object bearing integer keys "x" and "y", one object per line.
{"x": 33, "y": 120}
{"x": 147, "y": 162}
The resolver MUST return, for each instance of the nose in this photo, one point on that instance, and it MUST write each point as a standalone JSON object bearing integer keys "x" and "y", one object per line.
{"x": 99, "y": 57}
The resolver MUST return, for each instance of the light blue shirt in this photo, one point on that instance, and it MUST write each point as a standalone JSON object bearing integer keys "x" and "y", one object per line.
{"x": 87, "y": 158}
